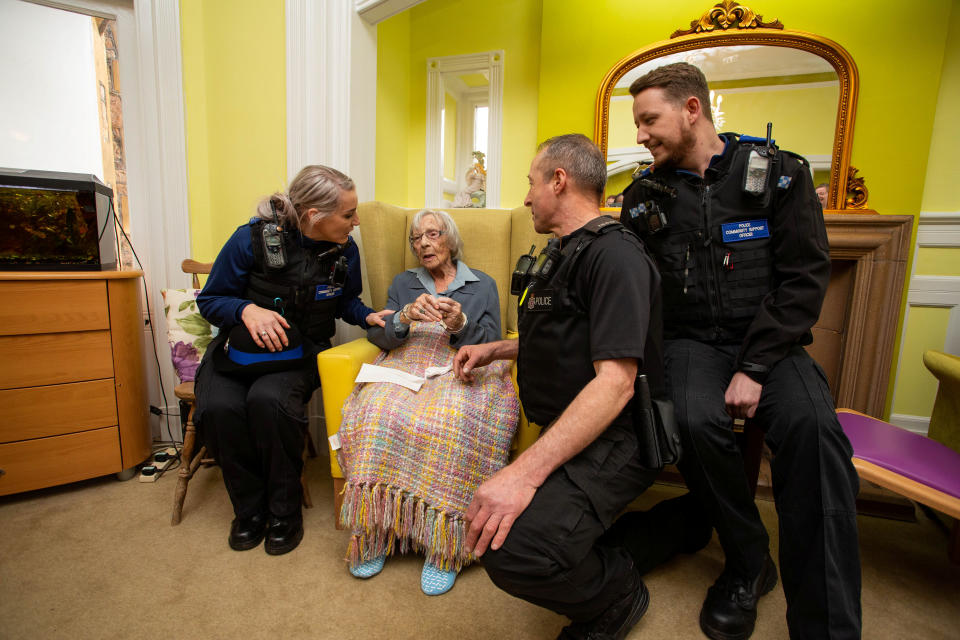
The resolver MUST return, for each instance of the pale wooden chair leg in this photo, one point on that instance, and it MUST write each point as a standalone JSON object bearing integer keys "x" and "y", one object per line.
{"x": 188, "y": 464}
{"x": 305, "y": 491}
{"x": 338, "y": 484}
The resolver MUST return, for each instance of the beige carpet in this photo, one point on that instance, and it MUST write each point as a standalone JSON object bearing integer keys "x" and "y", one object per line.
{"x": 99, "y": 559}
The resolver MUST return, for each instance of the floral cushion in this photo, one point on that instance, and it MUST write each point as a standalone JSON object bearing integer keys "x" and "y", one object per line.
{"x": 187, "y": 332}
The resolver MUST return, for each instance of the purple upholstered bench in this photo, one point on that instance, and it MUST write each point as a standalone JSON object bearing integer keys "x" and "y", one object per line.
{"x": 909, "y": 464}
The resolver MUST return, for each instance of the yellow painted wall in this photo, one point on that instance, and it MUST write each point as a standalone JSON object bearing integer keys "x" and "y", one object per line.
{"x": 917, "y": 387}
{"x": 235, "y": 110}
{"x": 942, "y": 190}
{"x": 393, "y": 110}
{"x": 449, "y": 137}
{"x": 926, "y": 327}
{"x": 938, "y": 261}
{"x": 458, "y": 27}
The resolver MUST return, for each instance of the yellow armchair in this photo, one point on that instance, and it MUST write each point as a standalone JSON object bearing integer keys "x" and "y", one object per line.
{"x": 493, "y": 240}
{"x": 945, "y": 419}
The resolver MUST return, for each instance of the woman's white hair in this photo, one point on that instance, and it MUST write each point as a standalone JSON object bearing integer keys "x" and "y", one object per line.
{"x": 451, "y": 234}
{"x": 315, "y": 187}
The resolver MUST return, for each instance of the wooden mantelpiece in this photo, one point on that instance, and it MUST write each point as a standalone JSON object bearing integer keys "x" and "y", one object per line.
{"x": 855, "y": 336}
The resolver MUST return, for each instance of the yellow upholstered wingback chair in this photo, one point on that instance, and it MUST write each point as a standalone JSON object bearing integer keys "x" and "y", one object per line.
{"x": 493, "y": 240}
{"x": 945, "y": 419}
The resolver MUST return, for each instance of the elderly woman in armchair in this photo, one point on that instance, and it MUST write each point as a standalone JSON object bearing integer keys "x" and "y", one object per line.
{"x": 413, "y": 459}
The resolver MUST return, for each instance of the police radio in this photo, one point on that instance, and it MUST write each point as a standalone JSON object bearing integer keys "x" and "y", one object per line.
{"x": 756, "y": 174}
{"x": 540, "y": 269}
{"x": 520, "y": 271}
{"x": 272, "y": 237}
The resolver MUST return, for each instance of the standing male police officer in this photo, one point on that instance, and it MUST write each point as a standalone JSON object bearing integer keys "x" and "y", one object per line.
{"x": 535, "y": 523}
{"x": 738, "y": 235}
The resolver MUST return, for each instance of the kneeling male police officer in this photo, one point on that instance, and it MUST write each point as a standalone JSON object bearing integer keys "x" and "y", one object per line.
{"x": 739, "y": 238}
{"x": 535, "y": 523}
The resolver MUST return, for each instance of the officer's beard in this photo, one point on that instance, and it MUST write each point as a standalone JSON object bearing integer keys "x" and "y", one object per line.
{"x": 678, "y": 154}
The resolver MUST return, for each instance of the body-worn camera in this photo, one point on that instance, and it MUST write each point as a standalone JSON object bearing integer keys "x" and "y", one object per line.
{"x": 338, "y": 271}
{"x": 653, "y": 214}
{"x": 338, "y": 276}
{"x": 541, "y": 268}
{"x": 273, "y": 252}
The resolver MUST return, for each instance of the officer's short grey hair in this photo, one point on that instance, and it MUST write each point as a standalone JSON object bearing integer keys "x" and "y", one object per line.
{"x": 576, "y": 154}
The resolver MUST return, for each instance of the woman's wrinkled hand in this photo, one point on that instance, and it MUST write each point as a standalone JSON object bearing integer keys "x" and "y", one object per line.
{"x": 425, "y": 308}
{"x": 266, "y": 327}
{"x": 449, "y": 309}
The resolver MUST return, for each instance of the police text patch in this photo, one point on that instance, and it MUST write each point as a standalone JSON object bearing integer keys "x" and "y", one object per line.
{"x": 539, "y": 300}
{"x": 746, "y": 230}
{"x": 325, "y": 292}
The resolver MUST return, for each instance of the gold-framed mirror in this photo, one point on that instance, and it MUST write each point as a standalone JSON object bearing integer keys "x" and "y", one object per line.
{"x": 805, "y": 84}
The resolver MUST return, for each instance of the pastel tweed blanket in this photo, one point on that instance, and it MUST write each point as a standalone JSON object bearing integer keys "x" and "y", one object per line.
{"x": 413, "y": 460}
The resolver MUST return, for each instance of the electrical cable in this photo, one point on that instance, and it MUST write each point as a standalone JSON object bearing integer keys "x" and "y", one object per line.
{"x": 153, "y": 336}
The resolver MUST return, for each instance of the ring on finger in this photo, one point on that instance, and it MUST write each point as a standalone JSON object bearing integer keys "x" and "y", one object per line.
{"x": 263, "y": 333}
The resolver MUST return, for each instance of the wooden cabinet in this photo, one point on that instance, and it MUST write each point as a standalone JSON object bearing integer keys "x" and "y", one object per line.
{"x": 73, "y": 399}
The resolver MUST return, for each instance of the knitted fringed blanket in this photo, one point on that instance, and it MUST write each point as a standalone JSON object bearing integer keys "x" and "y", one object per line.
{"x": 413, "y": 460}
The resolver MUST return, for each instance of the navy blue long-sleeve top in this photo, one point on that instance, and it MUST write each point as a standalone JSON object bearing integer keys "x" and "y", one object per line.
{"x": 221, "y": 302}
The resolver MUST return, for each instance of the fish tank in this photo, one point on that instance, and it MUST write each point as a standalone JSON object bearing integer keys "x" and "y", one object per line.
{"x": 52, "y": 220}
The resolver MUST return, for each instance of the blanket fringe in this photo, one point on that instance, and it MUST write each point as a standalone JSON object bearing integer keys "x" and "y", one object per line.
{"x": 385, "y": 519}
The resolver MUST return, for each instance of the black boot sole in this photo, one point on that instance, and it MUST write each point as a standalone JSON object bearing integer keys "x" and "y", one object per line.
{"x": 286, "y": 547}
{"x": 636, "y": 612}
{"x": 247, "y": 544}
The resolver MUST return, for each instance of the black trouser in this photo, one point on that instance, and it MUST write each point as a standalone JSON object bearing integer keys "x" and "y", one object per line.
{"x": 814, "y": 482}
{"x": 255, "y": 428}
{"x": 551, "y": 556}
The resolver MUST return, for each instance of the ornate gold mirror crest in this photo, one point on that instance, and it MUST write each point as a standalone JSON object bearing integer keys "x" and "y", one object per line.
{"x": 731, "y": 36}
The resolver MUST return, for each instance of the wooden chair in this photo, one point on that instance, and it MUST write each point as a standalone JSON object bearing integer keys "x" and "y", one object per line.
{"x": 190, "y": 461}
{"x": 907, "y": 463}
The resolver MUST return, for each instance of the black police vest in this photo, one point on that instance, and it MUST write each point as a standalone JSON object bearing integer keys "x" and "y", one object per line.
{"x": 712, "y": 286}
{"x": 554, "y": 361}
{"x": 301, "y": 291}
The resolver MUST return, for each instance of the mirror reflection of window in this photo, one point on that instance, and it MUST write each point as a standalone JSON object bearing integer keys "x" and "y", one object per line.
{"x": 480, "y": 115}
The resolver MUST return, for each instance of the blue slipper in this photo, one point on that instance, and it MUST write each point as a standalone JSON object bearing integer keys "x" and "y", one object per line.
{"x": 435, "y": 581}
{"x": 369, "y": 568}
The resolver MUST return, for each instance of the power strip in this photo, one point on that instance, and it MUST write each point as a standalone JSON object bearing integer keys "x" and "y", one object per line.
{"x": 150, "y": 472}
{"x": 163, "y": 464}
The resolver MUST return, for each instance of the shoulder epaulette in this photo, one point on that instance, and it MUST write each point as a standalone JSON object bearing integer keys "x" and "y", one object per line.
{"x": 598, "y": 224}
{"x": 803, "y": 161}
{"x": 755, "y": 140}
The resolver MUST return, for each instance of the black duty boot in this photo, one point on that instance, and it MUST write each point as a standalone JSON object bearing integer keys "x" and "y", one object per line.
{"x": 617, "y": 620}
{"x": 246, "y": 533}
{"x": 730, "y": 610}
{"x": 284, "y": 534}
